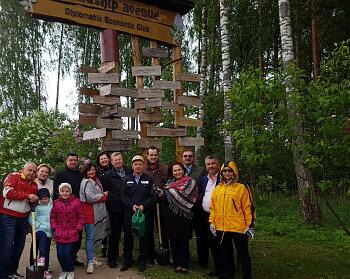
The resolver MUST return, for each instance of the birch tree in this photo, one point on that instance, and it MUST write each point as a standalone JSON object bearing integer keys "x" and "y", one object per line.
{"x": 225, "y": 41}
{"x": 306, "y": 191}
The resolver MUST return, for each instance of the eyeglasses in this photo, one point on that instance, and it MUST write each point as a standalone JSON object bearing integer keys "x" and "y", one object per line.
{"x": 187, "y": 156}
{"x": 227, "y": 170}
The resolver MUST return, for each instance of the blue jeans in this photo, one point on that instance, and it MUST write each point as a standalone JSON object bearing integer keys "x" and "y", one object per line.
{"x": 65, "y": 255}
{"x": 13, "y": 232}
{"x": 44, "y": 246}
{"x": 89, "y": 242}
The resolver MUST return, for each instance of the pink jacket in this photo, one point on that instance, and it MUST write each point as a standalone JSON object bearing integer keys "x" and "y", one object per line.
{"x": 67, "y": 219}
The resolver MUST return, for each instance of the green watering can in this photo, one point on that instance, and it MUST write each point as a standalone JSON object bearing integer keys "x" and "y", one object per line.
{"x": 138, "y": 223}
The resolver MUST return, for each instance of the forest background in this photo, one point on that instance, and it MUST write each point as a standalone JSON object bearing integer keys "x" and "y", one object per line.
{"x": 285, "y": 123}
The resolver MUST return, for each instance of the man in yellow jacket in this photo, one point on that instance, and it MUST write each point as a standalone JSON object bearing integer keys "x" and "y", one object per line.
{"x": 232, "y": 217}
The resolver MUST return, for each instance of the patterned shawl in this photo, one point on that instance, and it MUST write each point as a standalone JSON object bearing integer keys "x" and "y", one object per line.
{"x": 181, "y": 196}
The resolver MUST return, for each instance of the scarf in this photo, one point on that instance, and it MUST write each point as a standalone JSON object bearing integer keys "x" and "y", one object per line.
{"x": 181, "y": 196}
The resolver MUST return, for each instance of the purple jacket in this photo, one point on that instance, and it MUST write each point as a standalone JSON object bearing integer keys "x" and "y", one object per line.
{"x": 67, "y": 219}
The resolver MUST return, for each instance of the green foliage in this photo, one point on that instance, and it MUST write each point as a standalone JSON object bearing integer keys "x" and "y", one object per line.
{"x": 41, "y": 137}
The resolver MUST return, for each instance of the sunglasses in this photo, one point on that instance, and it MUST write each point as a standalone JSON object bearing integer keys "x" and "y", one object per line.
{"x": 227, "y": 170}
{"x": 187, "y": 156}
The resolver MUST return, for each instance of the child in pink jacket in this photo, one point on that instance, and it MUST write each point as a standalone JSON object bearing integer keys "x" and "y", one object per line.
{"x": 67, "y": 219}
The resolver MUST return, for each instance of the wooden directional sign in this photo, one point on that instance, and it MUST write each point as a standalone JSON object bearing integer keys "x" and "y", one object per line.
{"x": 88, "y": 91}
{"x": 95, "y": 134}
{"x": 166, "y": 84}
{"x": 150, "y": 117}
{"x": 87, "y": 119}
{"x": 189, "y": 141}
{"x": 106, "y": 67}
{"x": 106, "y": 100}
{"x": 88, "y": 108}
{"x": 189, "y": 101}
{"x": 146, "y": 71}
{"x": 170, "y": 106}
{"x": 147, "y": 142}
{"x": 116, "y": 145}
{"x": 125, "y": 134}
{"x": 103, "y": 78}
{"x": 188, "y": 77}
{"x": 186, "y": 122}
{"x": 150, "y": 93}
{"x": 166, "y": 132}
{"x": 150, "y": 103}
{"x": 154, "y": 52}
{"x": 87, "y": 69}
{"x": 109, "y": 123}
{"x": 114, "y": 90}
{"x": 126, "y": 112}
{"x": 108, "y": 111}
{"x": 129, "y": 17}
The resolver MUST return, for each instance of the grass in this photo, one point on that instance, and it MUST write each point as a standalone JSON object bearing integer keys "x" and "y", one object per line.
{"x": 284, "y": 247}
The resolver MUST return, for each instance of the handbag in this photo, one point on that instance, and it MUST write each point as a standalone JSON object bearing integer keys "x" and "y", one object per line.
{"x": 138, "y": 223}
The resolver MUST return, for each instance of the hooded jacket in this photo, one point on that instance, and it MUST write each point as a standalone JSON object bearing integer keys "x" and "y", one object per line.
{"x": 42, "y": 218}
{"x": 231, "y": 207}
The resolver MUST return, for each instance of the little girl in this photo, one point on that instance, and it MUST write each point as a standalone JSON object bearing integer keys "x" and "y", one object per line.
{"x": 67, "y": 220}
{"x": 42, "y": 227}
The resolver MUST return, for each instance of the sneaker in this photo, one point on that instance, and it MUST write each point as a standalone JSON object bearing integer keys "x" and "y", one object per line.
{"x": 16, "y": 275}
{"x": 90, "y": 268}
{"x": 63, "y": 275}
{"x": 41, "y": 261}
{"x": 97, "y": 263}
{"x": 70, "y": 275}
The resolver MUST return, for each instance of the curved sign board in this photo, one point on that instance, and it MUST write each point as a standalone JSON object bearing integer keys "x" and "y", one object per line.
{"x": 129, "y": 17}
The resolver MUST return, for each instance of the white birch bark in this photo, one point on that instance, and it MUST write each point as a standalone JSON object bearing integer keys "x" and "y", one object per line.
{"x": 306, "y": 192}
{"x": 226, "y": 77}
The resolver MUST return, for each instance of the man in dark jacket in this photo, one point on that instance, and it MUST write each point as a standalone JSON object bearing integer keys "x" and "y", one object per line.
{"x": 70, "y": 174}
{"x": 137, "y": 193}
{"x": 113, "y": 180}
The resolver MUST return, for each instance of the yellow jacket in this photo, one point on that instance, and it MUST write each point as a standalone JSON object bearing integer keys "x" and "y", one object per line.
{"x": 230, "y": 209}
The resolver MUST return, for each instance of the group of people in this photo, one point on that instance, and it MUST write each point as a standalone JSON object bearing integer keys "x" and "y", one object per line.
{"x": 101, "y": 199}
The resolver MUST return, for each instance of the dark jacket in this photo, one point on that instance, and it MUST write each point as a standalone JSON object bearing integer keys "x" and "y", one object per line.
{"x": 159, "y": 175}
{"x": 196, "y": 173}
{"x": 101, "y": 172}
{"x": 141, "y": 193}
{"x": 113, "y": 183}
{"x": 73, "y": 177}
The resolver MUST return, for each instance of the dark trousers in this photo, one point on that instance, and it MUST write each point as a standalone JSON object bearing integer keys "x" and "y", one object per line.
{"x": 226, "y": 250}
{"x": 150, "y": 236}
{"x": 201, "y": 235}
{"x": 65, "y": 256}
{"x": 13, "y": 232}
{"x": 180, "y": 252}
{"x": 43, "y": 244}
{"x": 129, "y": 241}
{"x": 116, "y": 220}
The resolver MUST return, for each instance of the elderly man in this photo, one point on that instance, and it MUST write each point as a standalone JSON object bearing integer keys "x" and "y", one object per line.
{"x": 114, "y": 180}
{"x": 19, "y": 194}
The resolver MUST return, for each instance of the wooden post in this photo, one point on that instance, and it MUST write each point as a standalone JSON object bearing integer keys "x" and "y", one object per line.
{"x": 177, "y": 69}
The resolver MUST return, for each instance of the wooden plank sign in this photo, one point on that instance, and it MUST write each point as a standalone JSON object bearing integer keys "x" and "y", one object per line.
{"x": 150, "y": 117}
{"x": 189, "y": 141}
{"x": 87, "y": 69}
{"x": 186, "y": 122}
{"x": 170, "y": 106}
{"x": 88, "y": 108}
{"x": 85, "y": 119}
{"x": 146, "y": 71}
{"x": 110, "y": 101}
{"x": 116, "y": 145}
{"x": 147, "y": 142}
{"x": 150, "y": 103}
{"x": 108, "y": 111}
{"x": 95, "y": 134}
{"x": 126, "y": 112}
{"x": 113, "y": 123}
{"x": 114, "y": 90}
{"x": 88, "y": 91}
{"x": 166, "y": 84}
{"x": 124, "y": 134}
{"x": 188, "y": 77}
{"x": 189, "y": 101}
{"x": 150, "y": 93}
{"x": 154, "y": 52}
{"x": 166, "y": 132}
{"x": 106, "y": 67}
{"x": 103, "y": 78}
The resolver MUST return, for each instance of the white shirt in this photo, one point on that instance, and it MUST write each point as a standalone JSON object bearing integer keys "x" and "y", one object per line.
{"x": 208, "y": 192}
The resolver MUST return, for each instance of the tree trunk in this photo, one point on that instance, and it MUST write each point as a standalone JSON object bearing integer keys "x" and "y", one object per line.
{"x": 226, "y": 63}
{"x": 314, "y": 34}
{"x": 306, "y": 190}
{"x": 59, "y": 66}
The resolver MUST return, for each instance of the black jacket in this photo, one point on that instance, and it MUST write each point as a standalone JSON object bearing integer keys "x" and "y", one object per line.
{"x": 73, "y": 177}
{"x": 113, "y": 184}
{"x": 141, "y": 193}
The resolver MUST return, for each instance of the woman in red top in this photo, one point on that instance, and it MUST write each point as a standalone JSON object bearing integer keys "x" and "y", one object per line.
{"x": 93, "y": 199}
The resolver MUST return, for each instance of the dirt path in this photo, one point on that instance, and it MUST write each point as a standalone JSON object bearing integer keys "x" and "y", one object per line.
{"x": 80, "y": 272}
